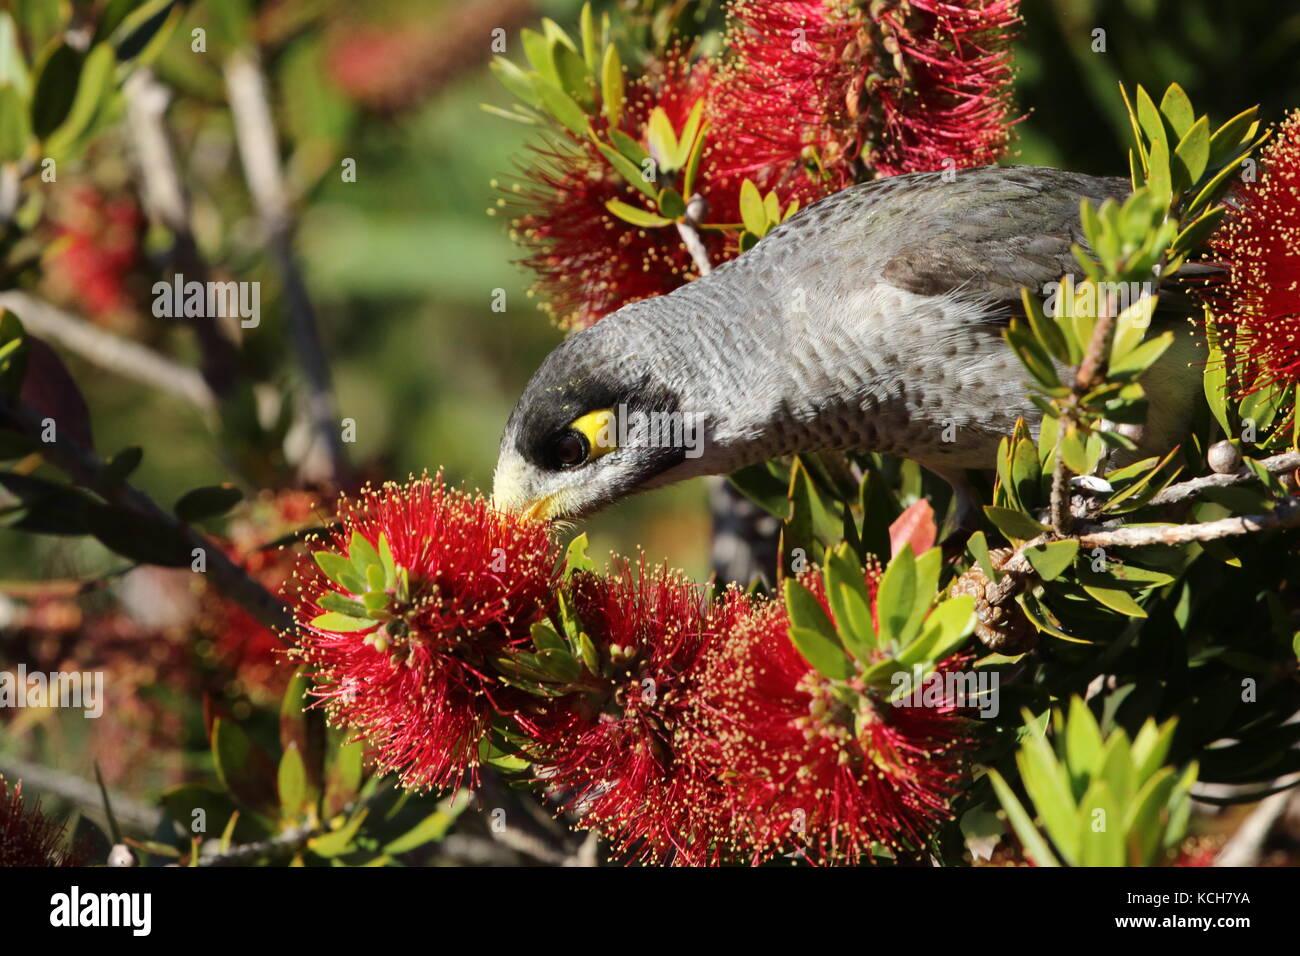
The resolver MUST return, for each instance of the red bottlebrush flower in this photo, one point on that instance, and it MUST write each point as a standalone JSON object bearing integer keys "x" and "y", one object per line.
{"x": 824, "y": 93}
{"x": 97, "y": 244}
{"x": 816, "y": 772}
{"x": 817, "y": 95}
{"x": 615, "y": 751}
{"x": 948, "y": 96}
{"x": 459, "y": 583}
{"x": 391, "y": 67}
{"x": 28, "y": 837}
{"x": 1256, "y": 304}
{"x": 589, "y": 262}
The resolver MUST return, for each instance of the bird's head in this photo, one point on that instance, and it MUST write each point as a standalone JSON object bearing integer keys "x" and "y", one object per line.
{"x": 596, "y": 423}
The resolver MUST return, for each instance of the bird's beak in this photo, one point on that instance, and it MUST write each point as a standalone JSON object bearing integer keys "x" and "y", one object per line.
{"x": 510, "y": 494}
{"x": 541, "y": 510}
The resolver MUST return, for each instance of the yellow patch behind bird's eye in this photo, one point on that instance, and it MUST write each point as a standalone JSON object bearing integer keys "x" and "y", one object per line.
{"x": 600, "y": 429}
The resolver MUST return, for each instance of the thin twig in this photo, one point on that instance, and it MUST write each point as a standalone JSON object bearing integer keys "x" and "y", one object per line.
{"x": 1278, "y": 464}
{"x": 1247, "y": 845}
{"x": 1085, "y": 378}
{"x": 167, "y": 202}
{"x": 281, "y": 845}
{"x": 1286, "y": 516}
{"x": 112, "y": 352}
{"x": 695, "y": 246}
{"x": 84, "y": 793}
{"x": 258, "y": 149}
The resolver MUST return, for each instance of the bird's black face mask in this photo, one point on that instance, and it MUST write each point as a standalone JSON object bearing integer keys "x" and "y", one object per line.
{"x": 581, "y": 437}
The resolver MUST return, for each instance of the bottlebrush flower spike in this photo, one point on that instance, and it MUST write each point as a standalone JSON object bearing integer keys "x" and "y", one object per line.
{"x": 818, "y": 771}
{"x": 1256, "y": 305}
{"x": 946, "y": 91}
{"x": 823, "y": 93}
{"x": 615, "y": 749}
{"x": 589, "y": 262}
{"x": 28, "y": 837}
{"x": 403, "y": 613}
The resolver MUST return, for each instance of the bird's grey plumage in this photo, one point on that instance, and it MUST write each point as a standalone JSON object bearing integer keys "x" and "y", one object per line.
{"x": 871, "y": 319}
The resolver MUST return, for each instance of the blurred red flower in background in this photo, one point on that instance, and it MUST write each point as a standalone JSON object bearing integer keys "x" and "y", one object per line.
{"x": 96, "y": 244}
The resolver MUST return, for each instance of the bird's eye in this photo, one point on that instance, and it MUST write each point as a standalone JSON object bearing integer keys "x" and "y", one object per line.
{"x": 570, "y": 449}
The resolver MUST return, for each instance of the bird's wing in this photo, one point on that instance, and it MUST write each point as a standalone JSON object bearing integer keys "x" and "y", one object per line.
{"x": 994, "y": 230}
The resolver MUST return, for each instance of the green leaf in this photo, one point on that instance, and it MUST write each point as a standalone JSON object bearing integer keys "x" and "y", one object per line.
{"x": 689, "y": 134}
{"x": 1160, "y": 176}
{"x": 662, "y": 139}
{"x": 946, "y": 629}
{"x": 564, "y": 108}
{"x": 611, "y": 86}
{"x": 244, "y": 768}
{"x": 1116, "y": 600}
{"x": 574, "y": 78}
{"x": 1050, "y": 560}
{"x": 538, "y": 50}
{"x": 693, "y": 162}
{"x": 575, "y": 558}
{"x": 362, "y": 554}
{"x": 825, "y": 656}
{"x": 1073, "y": 449}
{"x": 636, "y": 215}
{"x": 1142, "y": 823}
{"x": 521, "y": 84}
{"x": 15, "y": 131}
{"x": 1045, "y": 328}
{"x": 339, "y": 570}
{"x": 1083, "y": 745}
{"x": 333, "y": 601}
{"x": 211, "y": 501}
{"x": 1016, "y": 525}
{"x": 340, "y": 623}
{"x": 13, "y": 69}
{"x": 1193, "y": 150}
{"x": 433, "y": 827}
{"x": 93, "y": 87}
{"x": 1031, "y": 839}
{"x": 671, "y": 204}
{"x": 813, "y": 634}
{"x": 846, "y": 590}
{"x": 1177, "y": 109}
{"x": 1048, "y": 785}
{"x": 1101, "y": 828}
{"x": 1149, "y": 118}
{"x": 978, "y": 546}
{"x": 291, "y": 782}
{"x": 343, "y": 780}
{"x": 386, "y": 561}
{"x": 806, "y": 611}
{"x": 1215, "y": 384}
{"x": 1232, "y": 137}
{"x": 57, "y": 78}
{"x": 896, "y": 597}
{"x": 337, "y": 842}
{"x": 630, "y": 172}
{"x": 752, "y": 212}
{"x": 590, "y": 37}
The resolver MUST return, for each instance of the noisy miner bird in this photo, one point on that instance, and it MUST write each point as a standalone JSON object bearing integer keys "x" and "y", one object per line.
{"x": 869, "y": 320}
